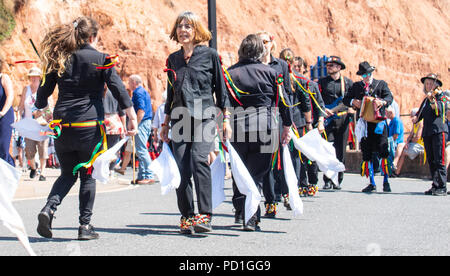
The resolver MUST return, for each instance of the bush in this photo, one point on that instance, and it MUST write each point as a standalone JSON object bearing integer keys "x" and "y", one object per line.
{"x": 7, "y": 22}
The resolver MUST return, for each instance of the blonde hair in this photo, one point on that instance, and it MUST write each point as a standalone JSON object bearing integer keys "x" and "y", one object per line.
{"x": 62, "y": 40}
{"x": 274, "y": 44}
{"x": 202, "y": 34}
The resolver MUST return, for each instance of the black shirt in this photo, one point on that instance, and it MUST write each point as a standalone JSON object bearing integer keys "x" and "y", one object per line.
{"x": 81, "y": 88}
{"x": 434, "y": 122}
{"x": 332, "y": 89}
{"x": 302, "y": 97}
{"x": 196, "y": 82}
{"x": 259, "y": 81}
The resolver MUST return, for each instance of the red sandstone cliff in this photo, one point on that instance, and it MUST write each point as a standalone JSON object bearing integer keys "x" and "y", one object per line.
{"x": 404, "y": 39}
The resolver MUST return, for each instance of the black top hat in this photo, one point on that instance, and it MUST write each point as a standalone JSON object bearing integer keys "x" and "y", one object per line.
{"x": 337, "y": 60}
{"x": 432, "y": 76}
{"x": 364, "y": 68}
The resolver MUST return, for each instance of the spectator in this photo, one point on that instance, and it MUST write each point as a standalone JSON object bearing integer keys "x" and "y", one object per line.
{"x": 6, "y": 115}
{"x": 18, "y": 144}
{"x": 27, "y": 101}
{"x": 159, "y": 117}
{"x": 396, "y": 133}
{"x": 414, "y": 143}
{"x": 115, "y": 122}
{"x": 143, "y": 107}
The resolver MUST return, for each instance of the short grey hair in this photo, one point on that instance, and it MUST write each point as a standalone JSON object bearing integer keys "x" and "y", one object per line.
{"x": 137, "y": 79}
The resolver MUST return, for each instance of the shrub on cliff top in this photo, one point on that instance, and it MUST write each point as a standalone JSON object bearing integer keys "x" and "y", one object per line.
{"x": 7, "y": 22}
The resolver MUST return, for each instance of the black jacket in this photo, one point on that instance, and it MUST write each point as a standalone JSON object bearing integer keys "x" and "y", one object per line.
{"x": 81, "y": 87}
{"x": 259, "y": 81}
{"x": 196, "y": 82}
{"x": 302, "y": 97}
{"x": 434, "y": 121}
{"x": 378, "y": 89}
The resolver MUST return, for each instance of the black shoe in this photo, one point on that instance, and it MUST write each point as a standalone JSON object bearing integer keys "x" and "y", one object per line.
{"x": 202, "y": 224}
{"x": 32, "y": 174}
{"x": 369, "y": 189}
{"x": 440, "y": 192}
{"x": 42, "y": 178}
{"x": 430, "y": 191}
{"x": 386, "y": 188}
{"x": 252, "y": 225}
{"x": 87, "y": 233}
{"x": 336, "y": 186}
{"x": 327, "y": 186}
{"x": 45, "y": 219}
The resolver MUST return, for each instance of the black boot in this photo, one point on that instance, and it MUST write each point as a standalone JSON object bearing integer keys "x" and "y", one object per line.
{"x": 252, "y": 225}
{"x": 386, "y": 187}
{"x": 336, "y": 186}
{"x": 86, "y": 233}
{"x": 370, "y": 188}
{"x": 440, "y": 192}
{"x": 327, "y": 185}
{"x": 45, "y": 219}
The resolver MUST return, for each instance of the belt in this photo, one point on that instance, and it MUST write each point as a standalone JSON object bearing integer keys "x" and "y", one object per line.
{"x": 56, "y": 128}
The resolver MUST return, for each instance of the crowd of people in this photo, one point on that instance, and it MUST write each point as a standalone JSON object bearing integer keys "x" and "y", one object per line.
{"x": 202, "y": 108}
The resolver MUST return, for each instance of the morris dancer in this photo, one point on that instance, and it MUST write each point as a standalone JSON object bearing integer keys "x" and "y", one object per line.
{"x": 195, "y": 77}
{"x": 282, "y": 69}
{"x": 334, "y": 87}
{"x": 377, "y": 133}
{"x": 80, "y": 71}
{"x": 262, "y": 91}
{"x": 435, "y": 130}
{"x": 301, "y": 114}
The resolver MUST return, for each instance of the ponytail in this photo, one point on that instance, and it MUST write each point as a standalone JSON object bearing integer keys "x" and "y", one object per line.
{"x": 61, "y": 41}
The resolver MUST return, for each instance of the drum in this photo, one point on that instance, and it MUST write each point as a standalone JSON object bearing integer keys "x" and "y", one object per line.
{"x": 369, "y": 111}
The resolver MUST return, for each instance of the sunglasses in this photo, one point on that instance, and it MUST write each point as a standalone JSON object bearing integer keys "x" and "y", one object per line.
{"x": 266, "y": 41}
{"x": 366, "y": 75}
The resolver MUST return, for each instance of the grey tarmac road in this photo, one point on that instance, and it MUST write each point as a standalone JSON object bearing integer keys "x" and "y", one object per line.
{"x": 139, "y": 221}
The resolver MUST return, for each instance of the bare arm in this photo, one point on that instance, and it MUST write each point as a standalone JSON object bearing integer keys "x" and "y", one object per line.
{"x": 7, "y": 85}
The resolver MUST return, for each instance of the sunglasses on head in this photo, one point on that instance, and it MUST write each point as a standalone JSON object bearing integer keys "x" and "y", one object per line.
{"x": 366, "y": 75}
{"x": 266, "y": 41}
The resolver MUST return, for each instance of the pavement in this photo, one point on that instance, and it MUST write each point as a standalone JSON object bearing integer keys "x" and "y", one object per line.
{"x": 34, "y": 189}
{"x": 138, "y": 220}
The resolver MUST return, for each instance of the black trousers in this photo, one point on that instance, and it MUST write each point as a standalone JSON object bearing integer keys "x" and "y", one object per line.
{"x": 258, "y": 164}
{"x": 375, "y": 143}
{"x": 192, "y": 161}
{"x": 435, "y": 149}
{"x": 73, "y": 147}
{"x": 337, "y": 133}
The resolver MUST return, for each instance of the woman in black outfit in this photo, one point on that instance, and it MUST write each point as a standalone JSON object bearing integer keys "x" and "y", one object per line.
{"x": 260, "y": 82}
{"x": 195, "y": 77}
{"x": 71, "y": 62}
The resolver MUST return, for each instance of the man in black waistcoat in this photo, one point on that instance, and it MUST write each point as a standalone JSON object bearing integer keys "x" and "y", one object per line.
{"x": 377, "y": 133}
{"x": 334, "y": 87}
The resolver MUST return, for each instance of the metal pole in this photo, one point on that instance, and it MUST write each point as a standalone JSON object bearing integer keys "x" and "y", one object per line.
{"x": 212, "y": 23}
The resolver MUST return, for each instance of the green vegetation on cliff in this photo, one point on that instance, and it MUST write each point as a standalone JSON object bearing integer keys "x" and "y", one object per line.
{"x": 7, "y": 22}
